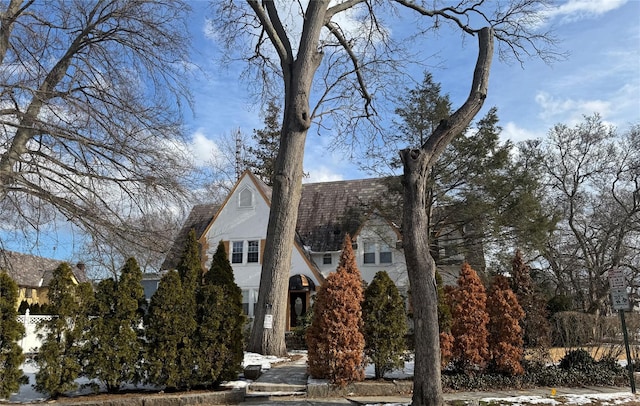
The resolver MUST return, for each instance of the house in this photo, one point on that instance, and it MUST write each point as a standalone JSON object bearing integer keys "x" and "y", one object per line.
{"x": 367, "y": 209}
{"x": 32, "y": 274}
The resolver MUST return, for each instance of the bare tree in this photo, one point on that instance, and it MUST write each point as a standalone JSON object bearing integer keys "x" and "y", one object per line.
{"x": 90, "y": 96}
{"x": 592, "y": 175}
{"x": 307, "y": 44}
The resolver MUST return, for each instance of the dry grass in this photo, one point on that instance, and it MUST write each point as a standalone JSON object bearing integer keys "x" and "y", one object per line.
{"x": 597, "y": 352}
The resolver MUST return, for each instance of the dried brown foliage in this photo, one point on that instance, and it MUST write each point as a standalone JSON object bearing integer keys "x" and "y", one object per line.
{"x": 536, "y": 327}
{"x": 446, "y": 347}
{"x": 470, "y": 318}
{"x": 505, "y": 334}
{"x": 334, "y": 339}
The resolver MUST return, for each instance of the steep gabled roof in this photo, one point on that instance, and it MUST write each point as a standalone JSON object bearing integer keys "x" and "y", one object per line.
{"x": 199, "y": 219}
{"x": 33, "y": 271}
{"x": 329, "y": 210}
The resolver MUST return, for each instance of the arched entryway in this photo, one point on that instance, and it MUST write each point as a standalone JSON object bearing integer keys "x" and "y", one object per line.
{"x": 300, "y": 288}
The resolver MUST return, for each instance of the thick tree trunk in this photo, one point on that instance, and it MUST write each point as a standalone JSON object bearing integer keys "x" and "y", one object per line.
{"x": 274, "y": 280}
{"x": 427, "y": 387}
{"x": 417, "y": 164}
{"x": 285, "y": 197}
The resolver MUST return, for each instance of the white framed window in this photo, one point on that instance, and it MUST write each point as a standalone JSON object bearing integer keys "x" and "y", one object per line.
{"x": 237, "y": 252}
{"x": 249, "y": 299}
{"x": 376, "y": 253}
{"x": 385, "y": 253}
{"x": 326, "y": 259}
{"x": 369, "y": 253}
{"x": 245, "y": 198}
{"x": 253, "y": 250}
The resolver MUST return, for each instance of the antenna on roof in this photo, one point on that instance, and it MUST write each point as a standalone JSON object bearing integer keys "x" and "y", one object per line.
{"x": 238, "y": 154}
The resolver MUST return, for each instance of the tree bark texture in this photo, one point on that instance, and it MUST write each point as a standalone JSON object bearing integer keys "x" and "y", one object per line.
{"x": 417, "y": 164}
{"x": 298, "y": 73}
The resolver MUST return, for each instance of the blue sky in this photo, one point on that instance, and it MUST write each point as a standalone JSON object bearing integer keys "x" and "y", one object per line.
{"x": 601, "y": 75}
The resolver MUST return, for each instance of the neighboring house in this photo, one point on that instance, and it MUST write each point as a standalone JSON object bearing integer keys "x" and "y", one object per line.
{"x": 32, "y": 274}
{"x": 367, "y": 209}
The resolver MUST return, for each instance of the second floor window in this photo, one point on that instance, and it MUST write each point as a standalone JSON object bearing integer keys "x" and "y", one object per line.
{"x": 326, "y": 259}
{"x": 385, "y": 253}
{"x": 236, "y": 253}
{"x": 376, "y": 253}
{"x": 253, "y": 251}
{"x": 369, "y": 253}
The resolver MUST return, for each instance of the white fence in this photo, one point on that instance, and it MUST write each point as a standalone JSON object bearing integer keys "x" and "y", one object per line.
{"x": 30, "y": 342}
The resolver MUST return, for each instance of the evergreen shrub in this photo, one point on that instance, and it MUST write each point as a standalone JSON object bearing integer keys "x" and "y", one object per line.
{"x": 335, "y": 341}
{"x": 577, "y": 359}
{"x": 113, "y": 351}
{"x": 385, "y": 324}
{"x": 11, "y": 331}
{"x": 220, "y": 306}
{"x": 59, "y": 359}
{"x": 469, "y": 329}
{"x": 505, "y": 334}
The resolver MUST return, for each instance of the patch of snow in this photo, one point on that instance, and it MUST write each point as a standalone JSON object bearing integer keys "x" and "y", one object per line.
{"x": 519, "y": 400}
{"x": 251, "y": 358}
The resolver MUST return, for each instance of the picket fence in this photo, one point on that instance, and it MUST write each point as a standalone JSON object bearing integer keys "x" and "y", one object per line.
{"x": 31, "y": 341}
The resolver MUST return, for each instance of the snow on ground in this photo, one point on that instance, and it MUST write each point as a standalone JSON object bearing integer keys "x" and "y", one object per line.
{"x": 28, "y": 394}
{"x": 617, "y": 398}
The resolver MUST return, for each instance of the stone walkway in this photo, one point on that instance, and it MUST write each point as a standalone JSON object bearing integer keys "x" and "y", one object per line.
{"x": 285, "y": 379}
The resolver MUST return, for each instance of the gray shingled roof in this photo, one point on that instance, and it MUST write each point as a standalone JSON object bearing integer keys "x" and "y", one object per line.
{"x": 29, "y": 270}
{"x": 329, "y": 210}
{"x": 199, "y": 218}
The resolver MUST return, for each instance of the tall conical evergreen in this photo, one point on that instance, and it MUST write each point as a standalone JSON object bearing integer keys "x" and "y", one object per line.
{"x": 221, "y": 318}
{"x": 113, "y": 352}
{"x": 11, "y": 331}
{"x": 536, "y": 327}
{"x": 334, "y": 339}
{"x": 172, "y": 350}
{"x": 444, "y": 323}
{"x": 505, "y": 334}
{"x": 190, "y": 267}
{"x": 59, "y": 357}
{"x": 268, "y": 142}
{"x": 385, "y": 324}
{"x": 166, "y": 339}
{"x": 470, "y": 318}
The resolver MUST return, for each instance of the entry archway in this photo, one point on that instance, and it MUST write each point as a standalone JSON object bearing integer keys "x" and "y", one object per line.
{"x": 300, "y": 288}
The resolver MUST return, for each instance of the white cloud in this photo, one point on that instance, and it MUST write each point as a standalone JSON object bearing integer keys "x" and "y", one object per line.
{"x": 203, "y": 150}
{"x": 322, "y": 174}
{"x": 515, "y": 134}
{"x": 575, "y": 10}
{"x": 569, "y": 111}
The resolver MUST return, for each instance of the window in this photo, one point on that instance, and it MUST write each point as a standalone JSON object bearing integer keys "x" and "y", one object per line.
{"x": 326, "y": 259}
{"x": 245, "y": 301}
{"x": 28, "y": 293}
{"x": 252, "y": 251}
{"x": 369, "y": 253}
{"x": 385, "y": 254}
{"x": 236, "y": 253}
{"x": 246, "y": 198}
{"x": 249, "y": 302}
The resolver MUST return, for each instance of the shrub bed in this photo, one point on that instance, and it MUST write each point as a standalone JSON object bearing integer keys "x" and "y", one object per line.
{"x": 575, "y": 369}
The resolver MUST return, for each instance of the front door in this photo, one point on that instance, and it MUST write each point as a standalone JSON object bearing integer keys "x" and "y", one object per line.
{"x": 297, "y": 307}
